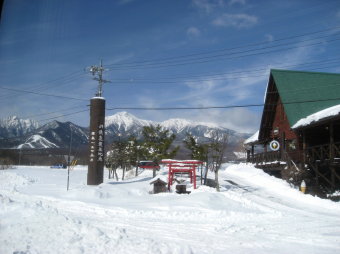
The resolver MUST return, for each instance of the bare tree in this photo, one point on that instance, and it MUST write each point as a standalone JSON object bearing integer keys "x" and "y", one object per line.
{"x": 5, "y": 163}
{"x": 217, "y": 147}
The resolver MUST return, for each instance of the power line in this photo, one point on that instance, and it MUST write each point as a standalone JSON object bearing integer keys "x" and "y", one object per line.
{"x": 190, "y": 56}
{"x": 36, "y": 90}
{"x": 71, "y": 74}
{"x": 69, "y": 114}
{"x": 66, "y": 79}
{"x": 54, "y": 112}
{"x": 251, "y": 44}
{"x": 218, "y": 107}
{"x": 220, "y": 58}
{"x": 159, "y": 82}
{"x": 45, "y": 94}
{"x": 228, "y": 49}
{"x": 224, "y": 76}
{"x": 232, "y": 72}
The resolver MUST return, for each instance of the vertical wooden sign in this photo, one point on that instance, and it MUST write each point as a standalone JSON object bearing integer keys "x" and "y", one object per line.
{"x": 96, "y": 155}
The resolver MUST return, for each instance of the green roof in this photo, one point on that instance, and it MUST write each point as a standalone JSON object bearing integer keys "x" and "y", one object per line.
{"x": 315, "y": 90}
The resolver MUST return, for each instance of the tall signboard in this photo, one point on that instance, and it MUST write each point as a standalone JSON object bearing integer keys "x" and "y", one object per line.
{"x": 95, "y": 174}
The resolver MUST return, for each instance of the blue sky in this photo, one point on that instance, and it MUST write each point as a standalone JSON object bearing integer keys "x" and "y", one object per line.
{"x": 159, "y": 53}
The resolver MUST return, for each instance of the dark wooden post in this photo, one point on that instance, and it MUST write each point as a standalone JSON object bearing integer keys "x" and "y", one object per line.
{"x": 304, "y": 147}
{"x": 283, "y": 146}
{"x": 96, "y": 141}
{"x": 317, "y": 173}
{"x": 248, "y": 155}
{"x": 331, "y": 141}
{"x": 252, "y": 153}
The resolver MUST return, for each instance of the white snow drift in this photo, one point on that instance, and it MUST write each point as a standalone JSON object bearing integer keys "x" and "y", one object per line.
{"x": 254, "y": 213}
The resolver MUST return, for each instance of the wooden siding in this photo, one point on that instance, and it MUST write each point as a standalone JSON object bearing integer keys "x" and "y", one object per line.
{"x": 281, "y": 124}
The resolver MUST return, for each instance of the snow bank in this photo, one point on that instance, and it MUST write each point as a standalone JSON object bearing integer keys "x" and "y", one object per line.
{"x": 10, "y": 182}
{"x": 253, "y": 213}
{"x": 255, "y": 177}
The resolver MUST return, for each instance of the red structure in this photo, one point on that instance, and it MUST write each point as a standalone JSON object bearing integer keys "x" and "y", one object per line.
{"x": 148, "y": 165}
{"x": 187, "y": 167}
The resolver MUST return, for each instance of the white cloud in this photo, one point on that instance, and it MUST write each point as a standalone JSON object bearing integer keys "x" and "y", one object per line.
{"x": 235, "y": 20}
{"x": 202, "y": 86}
{"x": 193, "y": 32}
{"x": 208, "y": 5}
{"x": 238, "y": 119}
{"x": 239, "y": 88}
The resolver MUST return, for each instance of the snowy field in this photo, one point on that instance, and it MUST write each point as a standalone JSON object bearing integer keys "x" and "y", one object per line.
{"x": 254, "y": 213}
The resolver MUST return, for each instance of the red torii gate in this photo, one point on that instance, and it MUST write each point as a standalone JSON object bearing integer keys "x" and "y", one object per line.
{"x": 182, "y": 166}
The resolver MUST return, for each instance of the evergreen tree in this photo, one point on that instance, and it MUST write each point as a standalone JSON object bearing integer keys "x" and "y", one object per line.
{"x": 198, "y": 151}
{"x": 123, "y": 154}
{"x": 156, "y": 144}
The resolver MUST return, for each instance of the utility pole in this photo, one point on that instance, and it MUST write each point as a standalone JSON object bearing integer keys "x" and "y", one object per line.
{"x": 97, "y": 130}
{"x": 97, "y": 71}
{"x": 69, "y": 161}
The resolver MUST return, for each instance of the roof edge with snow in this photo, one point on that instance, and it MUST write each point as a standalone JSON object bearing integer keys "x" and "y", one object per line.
{"x": 317, "y": 117}
{"x": 253, "y": 139}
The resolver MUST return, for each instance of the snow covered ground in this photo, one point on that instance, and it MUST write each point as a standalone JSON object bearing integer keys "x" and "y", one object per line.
{"x": 254, "y": 213}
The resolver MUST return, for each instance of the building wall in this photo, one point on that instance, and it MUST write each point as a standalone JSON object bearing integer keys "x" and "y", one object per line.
{"x": 281, "y": 124}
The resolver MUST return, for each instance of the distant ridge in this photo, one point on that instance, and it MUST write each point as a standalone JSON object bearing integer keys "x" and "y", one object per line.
{"x": 13, "y": 126}
{"x": 18, "y": 133}
{"x": 126, "y": 124}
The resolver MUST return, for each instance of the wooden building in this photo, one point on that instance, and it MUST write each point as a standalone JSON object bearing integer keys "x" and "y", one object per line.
{"x": 302, "y": 113}
{"x": 159, "y": 186}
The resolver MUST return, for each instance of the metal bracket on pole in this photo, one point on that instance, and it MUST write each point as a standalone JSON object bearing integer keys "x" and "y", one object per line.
{"x": 97, "y": 71}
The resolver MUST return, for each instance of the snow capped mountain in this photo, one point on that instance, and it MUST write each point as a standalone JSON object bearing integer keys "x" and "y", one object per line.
{"x": 178, "y": 124}
{"x": 25, "y": 134}
{"x": 123, "y": 121}
{"x": 58, "y": 135}
{"x": 16, "y": 127}
{"x": 37, "y": 142}
{"x": 125, "y": 124}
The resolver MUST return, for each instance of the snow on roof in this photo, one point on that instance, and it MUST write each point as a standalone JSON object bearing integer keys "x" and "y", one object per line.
{"x": 332, "y": 111}
{"x": 252, "y": 139}
{"x": 160, "y": 177}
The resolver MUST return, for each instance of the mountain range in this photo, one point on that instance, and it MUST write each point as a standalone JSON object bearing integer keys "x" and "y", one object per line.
{"x": 16, "y": 133}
